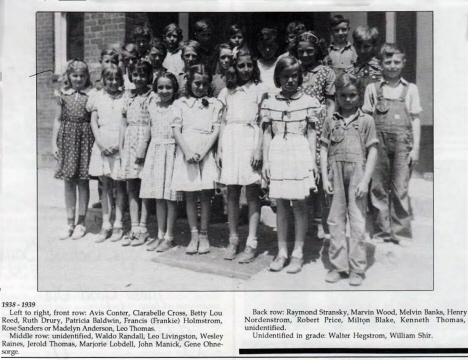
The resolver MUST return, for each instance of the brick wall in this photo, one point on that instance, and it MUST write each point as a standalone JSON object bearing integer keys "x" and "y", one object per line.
{"x": 45, "y": 81}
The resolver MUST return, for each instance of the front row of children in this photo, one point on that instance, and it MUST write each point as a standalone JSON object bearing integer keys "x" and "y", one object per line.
{"x": 163, "y": 147}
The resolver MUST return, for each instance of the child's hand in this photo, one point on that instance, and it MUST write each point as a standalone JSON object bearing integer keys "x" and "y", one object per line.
{"x": 55, "y": 151}
{"x": 362, "y": 189}
{"x": 140, "y": 160}
{"x": 256, "y": 159}
{"x": 192, "y": 157}
{"x": 266, "y": 171}
{"x": 327, "y": 187}
{"x": 413, "y": 157}
{"x": 316, "y": 172}
{"x": 219, "y": 159}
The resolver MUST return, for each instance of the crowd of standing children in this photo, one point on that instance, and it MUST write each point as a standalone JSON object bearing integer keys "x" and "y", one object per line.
{"x": 319, "y": 125}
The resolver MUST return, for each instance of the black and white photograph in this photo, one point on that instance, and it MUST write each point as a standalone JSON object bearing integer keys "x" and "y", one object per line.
{"x": 235, "y": 151}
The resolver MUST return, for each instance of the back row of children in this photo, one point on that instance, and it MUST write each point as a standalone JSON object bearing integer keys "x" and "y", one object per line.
{"x": 165, "y": 136}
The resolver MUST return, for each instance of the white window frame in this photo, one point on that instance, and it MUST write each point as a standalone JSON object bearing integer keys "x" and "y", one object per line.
{"x": 60, "y": 45}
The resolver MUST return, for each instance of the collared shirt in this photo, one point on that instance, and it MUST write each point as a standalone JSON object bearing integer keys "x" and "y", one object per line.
{"x": 341, "y": 60}
{"x": 411, "y": 100}
{"x": 267, "y": 75}
{"x": 135, "y": 107}
{"x": 242, "y": 103}
{"x": 319, "y": 82}
{"x": 73, "y": 103}
{"x": 108, "y": 108}
{"x": 195, "y": 116}
{"x": 347, "y": 138}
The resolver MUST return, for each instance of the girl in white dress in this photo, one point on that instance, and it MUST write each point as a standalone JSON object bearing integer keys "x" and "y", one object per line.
{"x": 106, "y": 112}
{"x": 240, "y": 148}
{"x": 157, "y": 173}
{"x": 195, "y": 170}
{"x": 289, "y": 156}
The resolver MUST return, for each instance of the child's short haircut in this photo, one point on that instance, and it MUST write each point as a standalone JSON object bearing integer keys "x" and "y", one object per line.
{"x": 131, "y": 48}
{"x": 295, "y": 27}
{"x": 346, "y": 80}
{"x": 234, "y": 29}
{"x": 388, "y": 50}
{"x": 319, "y": 44}
{"x": 142, "y": 67}
{"x": 195, "y": 69}
{"x": 231, "y": 75}
{"x": 202, "y": 25}
{"x": 141, "y": 31}
{"x": 284, "y": 63}
{"x": 195, "y": 45}
{"x": 173, "y": 28}
{"x": 173, "y": 80}
{"x": 110, "y": 52}
{"x": 337, "y": 20}
{"x": 112, "y": 70}
{"x": 267, "y": 36}
{"x": 366, "y": 33}
{"x": 157, "y": 44}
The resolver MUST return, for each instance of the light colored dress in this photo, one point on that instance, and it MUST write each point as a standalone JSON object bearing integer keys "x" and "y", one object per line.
{"x": 289, "y": 156}
{"x": 267, "y": 77}
{"x": 109, "y": 112}
{"x": 136, "y": 110}
{"x": 197, "y": 122}
{"x": 173, "y": 62}
{"x": 240, "y": 136}
{"x": 156, "y": 177}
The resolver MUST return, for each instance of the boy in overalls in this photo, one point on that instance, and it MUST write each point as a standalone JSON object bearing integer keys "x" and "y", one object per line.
{"x": 349, "y": 153}
{"x": 394, "y": 104}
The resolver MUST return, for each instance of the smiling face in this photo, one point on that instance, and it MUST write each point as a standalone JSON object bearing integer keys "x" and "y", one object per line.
{"x": 200, "y": 85}
{"x": 289, "y": 80}
{"x": 225, "y": 57}
{"x": 171, "y": 39}
{"x": 78, "y": 79}
{"x": 112, "y": 83}
{"x": 306, "y": 53}
{"x": 237, "y": 39}
{"x": 365, "y": 49}
{"x": 156, "y": 58}
{"x": 393, "y": 65}
{"x": 340, "y": 33}
{"x": 244, "y": 68}
{"x": 190, "y": 57}
{"x": 348, "y": 98}
{"x": 139, "y": 79}
{"x": 165, "y": 89}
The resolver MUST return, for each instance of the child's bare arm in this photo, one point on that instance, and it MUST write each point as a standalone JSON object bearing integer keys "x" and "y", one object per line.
{"x": 327, "y": 186}
{"x": 141, "y": 154}
{"x": 363, "y": 187}
{"x": 211, "y": 140}
{"x": 123, "y": 128}
{"x": 330, "y": 103}
{"x": 55, "y": 129}
{"x": 95, "y": 128}
{"x": 312, "y": 137}
{"x": 266, "y": 148}
{"x": 219, "y": 153}
{"x": 416, "y": 127}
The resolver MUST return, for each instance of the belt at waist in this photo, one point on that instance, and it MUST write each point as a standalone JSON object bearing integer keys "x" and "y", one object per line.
{"x": 163, "y": 141}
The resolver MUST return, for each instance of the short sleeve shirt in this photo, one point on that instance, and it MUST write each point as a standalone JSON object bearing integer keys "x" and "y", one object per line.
{"x": 319, "y": 82}
{"x": 173, "y": 62}
{"x": 341, "y": 60}
{"x": 267, "y": 75}
{"x": 242, "y": 103}
{"x": 108, "y": 108}
{"x": 412, "y": 97}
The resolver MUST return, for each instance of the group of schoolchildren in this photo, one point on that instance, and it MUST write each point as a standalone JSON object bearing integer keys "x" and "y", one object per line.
{"x": 172, "y": 120}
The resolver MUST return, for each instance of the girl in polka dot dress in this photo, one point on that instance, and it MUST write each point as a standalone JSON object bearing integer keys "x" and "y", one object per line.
{"x": 72, "y": 143}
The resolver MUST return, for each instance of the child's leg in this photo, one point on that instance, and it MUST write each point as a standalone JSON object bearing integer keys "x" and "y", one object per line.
{"x": 107, "y": 199}
{"x": 300, "y": 226}
{"x": 161, "y": 214}
{"x": 338, "y": 250}
{"x": 400, "y": 206}
{"x": 133, "y": 189}
{"x": 205, "y": 201}
{"x": 253, "y": 200}
{"x": 192, "y": 216}
{"x": 70, "y": 201}
{"x": 282, "y": 226}
{"x": 145, "y": 204}
{"x": 83, "y": 200}
{"x": 171, "y": 217}
{"x": 119, "y": 203}
{"x": 357, "y": 220}
{"x": 233, "y": 194}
